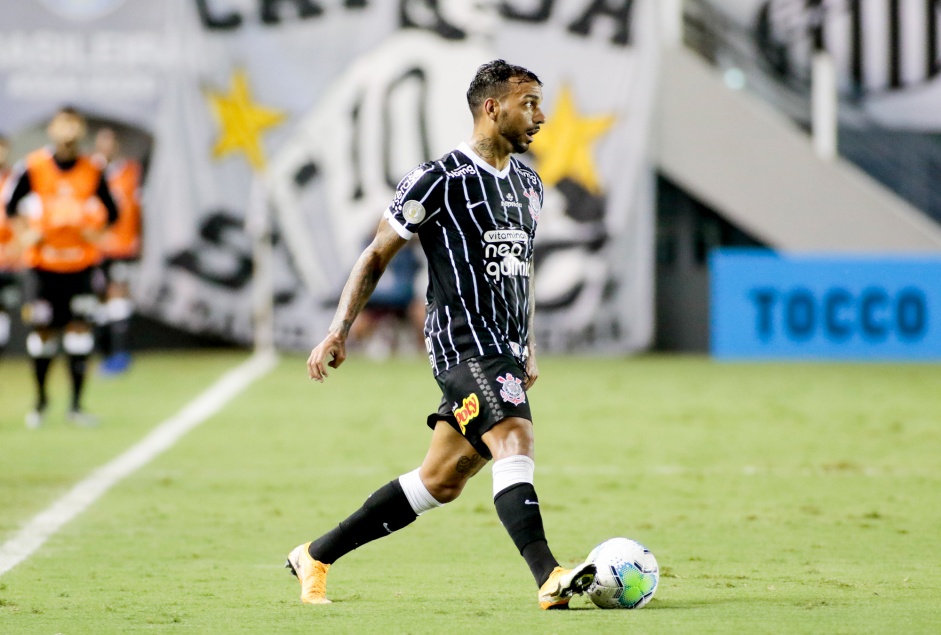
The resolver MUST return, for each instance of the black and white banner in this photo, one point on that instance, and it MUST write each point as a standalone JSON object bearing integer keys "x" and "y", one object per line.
{"x": 310, "y": 111}
{"x": 887, "y": 52}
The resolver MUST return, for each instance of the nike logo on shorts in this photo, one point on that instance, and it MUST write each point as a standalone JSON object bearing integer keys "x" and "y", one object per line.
{"x": 529, "y": 502}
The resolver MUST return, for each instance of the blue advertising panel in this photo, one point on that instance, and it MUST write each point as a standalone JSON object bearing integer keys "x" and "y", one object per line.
{"x": 766, "y": 305}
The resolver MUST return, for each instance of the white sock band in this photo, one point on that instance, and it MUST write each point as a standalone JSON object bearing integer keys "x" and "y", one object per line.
{"x": 4, "y": 329}
{"x": 511, "y": 471}
{"x": 417, "y": 494}
{"x": 39, "y": 349}
{"x": 78, "y": 343}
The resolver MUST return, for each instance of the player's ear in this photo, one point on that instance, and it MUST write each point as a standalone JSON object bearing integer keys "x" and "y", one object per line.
{"x": 491, "y": 108}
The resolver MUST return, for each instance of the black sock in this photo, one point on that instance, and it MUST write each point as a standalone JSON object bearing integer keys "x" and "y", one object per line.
{"x": 540, "y": 560}
{"x": 78, "y": 364}
{"x": 518, "y": 509}
{"x": 119, "y": 331}
{"x": 103, "y": 339}
{"x": 386, "y": 510}
{"x": 41, "y": 370}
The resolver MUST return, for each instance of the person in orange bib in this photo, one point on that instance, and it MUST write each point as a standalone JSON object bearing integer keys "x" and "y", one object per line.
{"x": 120, "y": 247}
{"x": 61, "y": 202}
{"x": 10, "y": 256}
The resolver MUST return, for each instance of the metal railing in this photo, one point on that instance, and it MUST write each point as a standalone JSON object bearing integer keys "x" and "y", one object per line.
{"x": 771, "y": 52}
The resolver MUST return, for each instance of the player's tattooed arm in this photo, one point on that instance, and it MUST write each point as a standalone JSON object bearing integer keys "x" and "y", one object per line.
{"x": 363, "y": 279}
{"x": 359, "y": 286}
{"x": 532, "y": 370}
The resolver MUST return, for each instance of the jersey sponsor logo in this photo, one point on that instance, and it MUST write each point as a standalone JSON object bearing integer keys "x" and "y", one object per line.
{"x": 511, "y": 202}
{"x": 505, "y": 236}
{"x": 413, "y": 211}
{"x": 511, "y": 389}
{"x": 407, "y": 183}
{"x": 464, "y": 170}
{"x": 530, "y": 176}
{"x": 510, "y": 266}
{"x": 467, "y": 412}
{"x": 505, "y": 253}
{"x": 534, "y": 206}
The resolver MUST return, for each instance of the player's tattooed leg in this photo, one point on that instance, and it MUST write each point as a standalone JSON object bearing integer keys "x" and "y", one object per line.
{"x": 469, "y": 464}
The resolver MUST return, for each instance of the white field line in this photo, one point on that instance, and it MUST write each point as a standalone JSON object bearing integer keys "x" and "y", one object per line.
{"x": 38, "y": 530}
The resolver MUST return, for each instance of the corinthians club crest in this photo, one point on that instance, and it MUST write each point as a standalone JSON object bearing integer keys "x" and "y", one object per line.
{"x": 534, "y": 206}
{"x": 511, "y": 389}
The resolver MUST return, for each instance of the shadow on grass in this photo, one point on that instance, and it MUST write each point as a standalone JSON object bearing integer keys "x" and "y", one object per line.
{"x": 658, "y": 605}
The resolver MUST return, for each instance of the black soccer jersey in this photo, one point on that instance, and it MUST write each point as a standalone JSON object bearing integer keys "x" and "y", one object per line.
{"x": 476, "y": 225}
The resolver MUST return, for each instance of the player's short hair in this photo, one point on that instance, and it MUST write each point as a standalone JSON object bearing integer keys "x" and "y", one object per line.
{"x": 493, "y": 79}
{"x": 71, "y": 111}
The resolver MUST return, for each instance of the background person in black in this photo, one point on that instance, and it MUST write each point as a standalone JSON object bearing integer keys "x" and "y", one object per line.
{"x": 9, "y": 255}
{"x": 61, "y": 228}
{"x": 475, "y": 211}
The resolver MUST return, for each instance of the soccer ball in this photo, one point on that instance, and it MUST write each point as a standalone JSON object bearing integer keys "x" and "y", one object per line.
{"x": 627, "y": 574}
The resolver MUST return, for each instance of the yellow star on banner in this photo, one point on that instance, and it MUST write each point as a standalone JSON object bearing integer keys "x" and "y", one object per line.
{"x": 563, "y": 145}
{"x": 242, "y": 121}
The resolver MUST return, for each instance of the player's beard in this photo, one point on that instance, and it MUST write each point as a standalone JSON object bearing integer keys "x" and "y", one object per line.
{"x": 520, "y": 145}
{"x": 515, "y": 136}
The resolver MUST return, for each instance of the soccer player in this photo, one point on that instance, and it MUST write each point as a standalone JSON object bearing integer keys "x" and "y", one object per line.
{"x": 9, "y": 254}
{"x": 120, "y": 246}
{"x": 61, "y": 225}
{"x": 475, "y": 211}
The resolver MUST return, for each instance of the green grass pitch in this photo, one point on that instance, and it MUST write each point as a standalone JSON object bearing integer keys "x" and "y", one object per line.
{"x": 778, "y": 498}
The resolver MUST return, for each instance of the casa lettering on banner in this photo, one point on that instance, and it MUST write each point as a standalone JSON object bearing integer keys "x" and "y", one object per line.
{"x": 310, "y": 153}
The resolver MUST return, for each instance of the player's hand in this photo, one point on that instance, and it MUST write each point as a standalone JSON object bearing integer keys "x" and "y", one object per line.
{"x": 332, "y": 348}
{"x": 531, "y": 370}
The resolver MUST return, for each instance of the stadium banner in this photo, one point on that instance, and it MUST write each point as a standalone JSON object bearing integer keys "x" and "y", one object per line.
{"x": 887, "y": 52}
{"x": 765, "y": 305}
{"x": 308, "y": 112}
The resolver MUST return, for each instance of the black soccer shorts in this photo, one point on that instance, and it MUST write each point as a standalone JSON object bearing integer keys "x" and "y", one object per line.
{"x": 54, "y": 299}
{"x": 479, "y": 393}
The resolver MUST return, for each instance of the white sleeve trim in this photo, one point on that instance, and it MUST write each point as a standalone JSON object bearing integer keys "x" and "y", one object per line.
{"x": 399, "y": 228}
